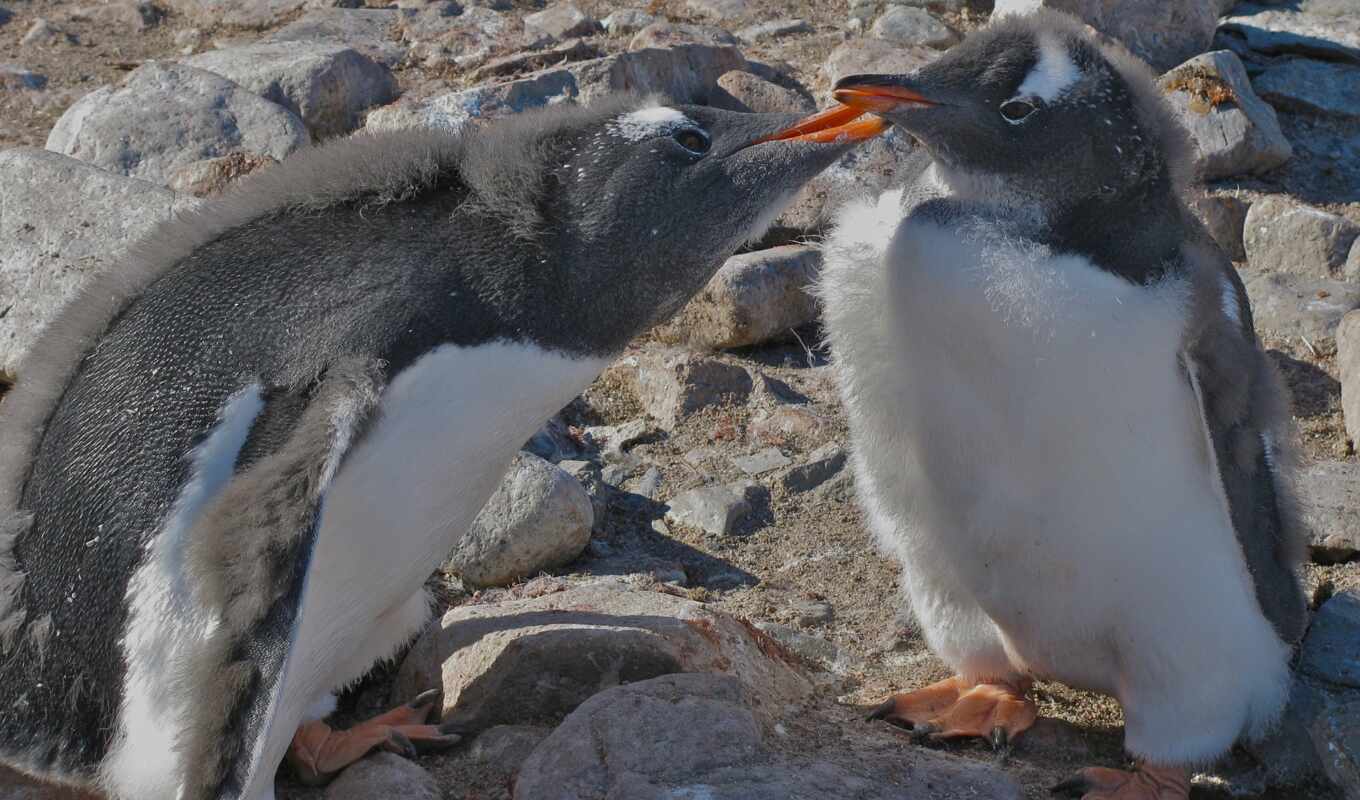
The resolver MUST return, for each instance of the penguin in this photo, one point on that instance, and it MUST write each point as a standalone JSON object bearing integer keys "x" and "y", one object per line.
{"x": 229, "y": 466}
{"x": 1062, "y": 423}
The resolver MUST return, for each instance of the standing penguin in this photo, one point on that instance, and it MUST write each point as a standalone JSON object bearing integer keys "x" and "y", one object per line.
{"x": 229, "y": 466}
{"x": 1063, "y": 424}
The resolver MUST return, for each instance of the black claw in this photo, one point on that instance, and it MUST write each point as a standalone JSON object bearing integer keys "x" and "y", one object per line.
{"x": 1075, "y": 786}
{"x": 1000, "y": 741}
{"x": 455, "y": 727}
{"x": 439, "y": 745}
{"x": 881, "y": 711}
{"x": 426, "y": 698}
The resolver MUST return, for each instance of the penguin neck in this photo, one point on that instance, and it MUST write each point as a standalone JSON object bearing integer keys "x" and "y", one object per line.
{"x": 1135, "y": 235}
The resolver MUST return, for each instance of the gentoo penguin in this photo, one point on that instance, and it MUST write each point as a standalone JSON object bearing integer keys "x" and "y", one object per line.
{"x": 230, "y": 465}
{"x": 1063, "y": 425}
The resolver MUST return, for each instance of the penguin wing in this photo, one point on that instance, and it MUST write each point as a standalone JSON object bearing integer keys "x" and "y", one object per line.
{"x": 249, "y": 557}
{"x": 1243, "y": 410}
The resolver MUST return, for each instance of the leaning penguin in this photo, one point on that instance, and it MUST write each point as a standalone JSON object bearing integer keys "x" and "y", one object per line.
{"x": 1063, "y": 425}
{"x": 230, "y": 465}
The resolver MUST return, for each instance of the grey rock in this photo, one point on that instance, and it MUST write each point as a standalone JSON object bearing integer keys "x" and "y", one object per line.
{"x": 553, "y": 442}
{"x": 649, "y": 485}
{"x": 840, "y": 489}
{"x": 371, "y": 31}
{"x": 1163, "y": 34}
{"x": 774, "y": 29}
{"x": 814, "y": 650}
{"x": 328, "y": 85}
{"x": 674, "y": 384}
{"x": 5, "y": 16}
{"x": 16, "y": 78}
{"x": 453, "y": 110}
{"x": 665, "y": 34}
{"x": 821, "y": 466}
{"x": 615, "y": 440}
{"x": 743, "y": 91}
{"x": 1329, "y": 500}
{"x": 384, "y": 775}
{"x": 1336, "y": 735}
{"x": 1317, "y": 87}
{"x": 1283, "y": 236}
{"x": 1286, "y": 755}
{"x": 432, "y": 20}
{"x": 1233, "y": 131}
{"x": 64, "y": 221}
{"x": 627, "y": 20}
{"x": 812, "y": 612}
{"x": 872, "y": 55}
{"x": 1348, "y": 362}
{"x": 212, "y": 176}
{"x": 1296, "y": 305}
{"x": 560, "y": 21}
{"x": 762, "y": 461}
{"x": 753, "y": 298}
{"x": 717, "y": 509}
{"x": 538, "y": 518}
{"x": 718, "y": 10}
{"x": 903, "y": 25}
{"x": 164, "y": 116}
{"x": 43, "y": 32}
{"x": 252, "y": 14}
{"x": 784, "y": 424}
{"x": 702, "y": 736}
{"x": 505, "y": 747}
{"x": 1225, "y": 217}
{"x": 1351, "y": 271}
{"x": 536, "y": 58}
{"x": 525, "y": 662}
{"x": 124, "y": 15}
{"x": 1331, "y": 650}
{"x": 1327, "y": 29}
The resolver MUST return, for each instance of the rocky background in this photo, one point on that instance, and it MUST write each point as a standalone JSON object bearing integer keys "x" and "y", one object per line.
{"x": 672, "y": 594}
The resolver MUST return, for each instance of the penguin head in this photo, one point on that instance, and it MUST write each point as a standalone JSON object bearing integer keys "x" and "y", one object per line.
{"x": 1034, "y": 109}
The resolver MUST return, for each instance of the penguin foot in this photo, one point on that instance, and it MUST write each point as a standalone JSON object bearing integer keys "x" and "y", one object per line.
{"x": 1145, "y": 783}
{"x": 952, "y": 708}
{"x": 319, "y": 752}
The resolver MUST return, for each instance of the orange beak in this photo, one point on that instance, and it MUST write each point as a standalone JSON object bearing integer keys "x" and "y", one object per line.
{"x": 879, "y": 98}
{"x": 838, "y": 124}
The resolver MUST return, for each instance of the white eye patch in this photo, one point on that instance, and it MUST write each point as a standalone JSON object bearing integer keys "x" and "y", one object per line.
{"x": 647, "y": 123}
{"x": 1053, "y": 74}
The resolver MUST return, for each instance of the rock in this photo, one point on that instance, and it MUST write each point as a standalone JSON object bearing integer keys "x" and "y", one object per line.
{"x": 866, "y": 56}
{"x": 627, "y": 20}
{"x": 762, "y": 461}
{"x": 1233, "y": 131}
{"x": 1331, "y": 650}
{"x": 1286, "y": 755}
{"x": 43, "y": 32}
{"x": 615, "y": 440}
{"x": 251, "y": 14}
{"x": 212, "y": 176}
{"x": 381, "y": 776}
{"x": 164, "y": 116}
{"x": 785, "y": 424}
{"x": 753, "y": 298}
{"x": 371, "y": 31}
{"x": 742, "y": 91}
{"x": 674, "y": 384}
{"x": 5, "y": 16}
{"x": 1336, "y": 735}
{"x": 1329, "y": 500}
{"x": 1316, "y": 87}
{"x": 812, "y": 612}
{"x": 902, "y": 25}
{"x": 328, "y": 85}
{"x": 529, "y": 60}
{"x": 1296, "y": 305}
{"x": 774, "y": 29}
{"x": 452, "y": 111}
{"x": 560, "y": 21}
{"x": 665, "y": 34}
{"x": 1351, "y": 271}
{"x": 1327, "y": 29}
{"x": 701, "y": 737}
{"x": 821, "y": 466}
{"x": 814, "y": 650}
{"x": 718, "y": 10}
{"x": 531, "y": 661}
{"x": 134, "y": 15}
{"x": 1163, "y": 34}
{"x": 1282, "y": 236}
{"x": 717, "y": 509}
{"x": 538, "y": 518}
{"x": 1348, "y": 362}
{"x": 64, "y": 221}
{"x": 15, "y": 78}
{"x": 505, "y": 747}
{"x": 1225, "y": 217}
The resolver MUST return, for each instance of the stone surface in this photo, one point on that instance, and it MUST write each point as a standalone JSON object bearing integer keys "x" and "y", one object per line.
{"x": 505, "y": 747}
{"x": 123, "y": 15}
{"x": 627, "y": 20}
{"x": 1286, "y": 755}
{"x": 785, "y": 423}
{"x": 1331, "y": 650}
{"x": 902, "y": 25}
{"x": 531, "y": 661}
{"x": 814, "y": 650}
{"x": 753, "y": 298}
{"x": 1281, "y": 235}
{"x": 762, "y": 461}
{"x": 1317, "y": 87}
{"x": 453, "y": 110}
{"x": 663, "y": 34}
{"x": 821, "y": 466}
{"x": 1348, "y": 362}
{"x": 717, "y": 509}
{"x": 16, "y": 79}
{"x": 559, "y": 21}
{"x": 371, "y": 31}
{"x": 381, "y": 776}
{"x": 1351, "y": 271}
{"x": 1336, "y": 735}
{"x": 872, "y": 55}
{"x": 1233, "y": 131}
{"x": 743, "y": 91}
{"x": 1225, "y": 217}
{"x": 1329, "y": 499}
{"x": 329, "y": 86}
{"x": 539, "y": 517}
{"x": 252, "y": 14}
{"x": 1328, "y": 29}
{"x": 774, "y": 29}
{"x": 703, "y": 737}
{"x": 718, "y": 10}
{"x": 164, "y": 116}
{"x": 1295, "y": 305}
{"x": 1163, "y": 34}
{"x": 63, "y": 221}
{"x": 530, "y": 60}
{"x": 212, "y": 176}
{"x": 674, "y": 384}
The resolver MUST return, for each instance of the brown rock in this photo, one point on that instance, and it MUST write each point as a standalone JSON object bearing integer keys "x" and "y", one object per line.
{"x": 212, "y": 176}
{"x": 673, "y": 384}
{"x": 751, "y": 93}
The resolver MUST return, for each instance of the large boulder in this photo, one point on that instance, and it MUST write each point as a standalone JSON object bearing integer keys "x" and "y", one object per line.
{"x": 1281, "y": 235}
{"x": 870, "y": 55}
{"x": 1317, "y": 87}
{"x": 164, "y": 116}
{"x": 1286, "y": 305}
{"x": 252, "y": 14}
{"x": 371, "y": 31}
{"x": 1233, "y": 131}
{"x": 1161, "y": 33}
{"x": 902, "y": 25}
{"x": 453, "y": 110}
{"x": 381, "y": 776}
{"x": 1327, "y": 29}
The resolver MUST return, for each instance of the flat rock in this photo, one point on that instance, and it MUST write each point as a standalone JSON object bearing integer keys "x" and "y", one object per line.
{"x": 1331, "y": 650}
{"x": 1281, "y": 235}
{"x": 1327, "y": 29}
{"x": 674, "y": 384}
{"x": 821, "y": 465}
{"x": 123, "y": 15}
{"x": 774, "y": 29}
{"x": 164, "y": 116}
{"x": 1233, "y": 131}
{"x": 762, "y": 461}
{"x": 453, "y": 110}
{"x": 524, "y": 662}
{"x": 627, "y": 20}
{"x": 1348, "y": 362}
{"x": 1224, "y": 216}
{"x": 505, "y": 747}
{"x": 693, "y": 737}
{"x": 717, "y": 509}
{"x": 212, "y": 176}
{"x": 1329, "y": 499}
{"x": 371, "y": 31}
{"x": 903, "y": 25}
{"x": 1316, "y": 87}
{"x": 328, "y": 85}
{"x": 538, "y": 518}
{"x": 784, "y": 424}
{"x": 1162, "y": 34}
{"x": 718, "y": 10}
{"x": 664, "y": 34}
{"x": 753, "y": 298}
{"x": 63, "y": 221}
{"x": 816, "y": 651}
{"x": 536, "y": 59}
{"x": 1296, "y": 305}
{"x": 252, "y": 14}
{"x": 1336, "y": 735}
{"x": 381, "y": 776}
{"x": 560, "y": 21}
{"x": 873, "y": 55}
{"x": 749, "y": 93}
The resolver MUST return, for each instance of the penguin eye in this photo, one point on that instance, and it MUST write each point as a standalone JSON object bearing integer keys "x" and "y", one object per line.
{"x": 693, "y": 140}
{"x": 1015, "y": 111}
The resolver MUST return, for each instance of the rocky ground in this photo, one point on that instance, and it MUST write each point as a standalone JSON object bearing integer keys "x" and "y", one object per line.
{"x": 673, "y": 594}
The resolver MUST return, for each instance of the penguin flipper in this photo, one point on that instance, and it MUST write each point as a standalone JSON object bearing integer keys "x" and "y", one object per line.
{"x": 249, "y": 557}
